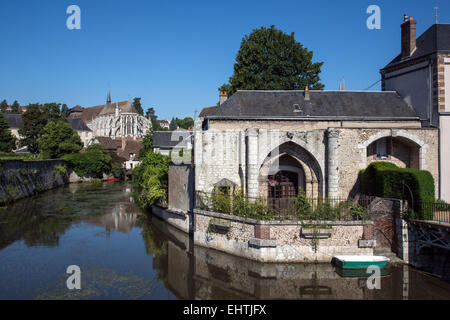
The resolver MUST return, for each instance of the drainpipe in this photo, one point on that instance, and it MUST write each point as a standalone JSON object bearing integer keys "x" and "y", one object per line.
{"x": 430, "y": 92}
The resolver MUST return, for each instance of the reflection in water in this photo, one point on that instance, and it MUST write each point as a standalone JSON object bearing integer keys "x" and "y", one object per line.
{"x": 135, "y": 256}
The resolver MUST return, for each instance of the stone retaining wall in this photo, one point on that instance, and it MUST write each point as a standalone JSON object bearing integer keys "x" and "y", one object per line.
{"x": 20, "y": 178}
{"x": 280, "y": 241}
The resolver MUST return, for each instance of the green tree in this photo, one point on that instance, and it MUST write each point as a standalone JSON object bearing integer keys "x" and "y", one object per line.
{"x": 51, "y": 111}
{"x": 94, "y": 161}
{"x": 137, "y": 105}
{"x": 59, "y": 139}
{"x": 270, "y": 59}
{"x": 173, "y": 125}
{"x": 7, "y": 140}
{"x": 147, "y": 144}
{"x": 3, "y": 106}
{"x": 150, "y": 114}
{"x": 64, "y": 111}
{"x": 15, "y": 107}
{"x": 185, "y": 123}
{"x": 151, "y": 176}
{"x": 34, "y": 121}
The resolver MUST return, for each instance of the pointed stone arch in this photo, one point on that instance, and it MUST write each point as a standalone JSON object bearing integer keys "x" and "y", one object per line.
{"x": 304, "y": 160}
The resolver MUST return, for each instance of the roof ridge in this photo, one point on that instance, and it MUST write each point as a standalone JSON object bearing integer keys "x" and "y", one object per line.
{"x": 364, "y": 91}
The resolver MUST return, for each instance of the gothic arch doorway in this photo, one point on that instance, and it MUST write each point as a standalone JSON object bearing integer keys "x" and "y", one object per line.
{"x": 288, "y": 171}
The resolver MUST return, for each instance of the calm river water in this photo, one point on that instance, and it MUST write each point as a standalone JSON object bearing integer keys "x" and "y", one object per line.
{"x": 123, "y": 253}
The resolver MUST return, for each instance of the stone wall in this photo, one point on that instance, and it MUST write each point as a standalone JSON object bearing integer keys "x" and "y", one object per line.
{"x": 330, "y": 158}
{"x": 20, "y": 179}
{"x": 181, "y": 187}
{"x": 277, "y": 241}
{"x": 352, "y": 152}
{"x": 181, "y": 221}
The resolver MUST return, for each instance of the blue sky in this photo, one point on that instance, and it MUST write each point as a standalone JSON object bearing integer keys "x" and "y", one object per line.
{"x": 175, "y": 54}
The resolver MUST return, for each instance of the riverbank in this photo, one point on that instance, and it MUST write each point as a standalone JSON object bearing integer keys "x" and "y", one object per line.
{"x": 25, "y": 178}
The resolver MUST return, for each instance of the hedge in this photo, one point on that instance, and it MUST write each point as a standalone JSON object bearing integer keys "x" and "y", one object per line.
{"x": 385, "y": 179}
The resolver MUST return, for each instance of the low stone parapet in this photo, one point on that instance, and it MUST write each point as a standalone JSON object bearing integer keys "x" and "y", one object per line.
{"x": 281, "y": 241}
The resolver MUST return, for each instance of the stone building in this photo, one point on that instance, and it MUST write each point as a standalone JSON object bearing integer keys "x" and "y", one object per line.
{"x": 113, "y": 120}
{"x": 421, "y": 74}
{"x": 82, "y": 129}
{"x": 166, "y": 142}
{"x": 273, "y": 144}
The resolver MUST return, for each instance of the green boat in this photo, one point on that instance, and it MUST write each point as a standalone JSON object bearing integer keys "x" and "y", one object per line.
{"x": 360, "y": 262}
{"x": 359, "y": 273}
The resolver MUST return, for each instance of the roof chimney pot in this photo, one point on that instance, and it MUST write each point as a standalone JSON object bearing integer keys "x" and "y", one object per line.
{"x": 222, "y": 97}
{"x": 306, "y": 93}
{"x": 408, "y": 36}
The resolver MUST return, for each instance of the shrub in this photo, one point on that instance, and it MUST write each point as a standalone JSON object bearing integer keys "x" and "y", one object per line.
{"x": 151, "y": 177}
{"x": 387, "y": 180}
{"x": 58, "y": 139}
{"x": 95, "y": 160}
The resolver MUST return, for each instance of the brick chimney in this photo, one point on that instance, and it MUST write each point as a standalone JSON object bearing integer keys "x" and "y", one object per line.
{"x": 222, "y": 97}
{"x": 306, "y": 93}
{"x": 408, "y": 36}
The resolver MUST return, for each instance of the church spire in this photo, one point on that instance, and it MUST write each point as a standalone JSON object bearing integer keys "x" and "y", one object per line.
{"x": 108, "y": 99}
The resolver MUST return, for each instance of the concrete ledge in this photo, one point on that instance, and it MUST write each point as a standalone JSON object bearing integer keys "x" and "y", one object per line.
{"x": 262, "y": 243}
{"x": 367, "y": 243}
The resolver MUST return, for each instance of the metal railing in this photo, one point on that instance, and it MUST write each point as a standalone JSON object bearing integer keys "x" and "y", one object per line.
{"x": 292, "y": 209}
{"x": 440, "y": 212}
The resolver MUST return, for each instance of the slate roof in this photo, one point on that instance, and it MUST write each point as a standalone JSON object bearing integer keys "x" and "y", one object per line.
{"x": 78, "y": 124}
{"x": 435, "y": 39}
{"x": 169, "y": 139}
{"x": 323, "y": 105}
{"x": 207, "y": 111}
{"x": 15, "y": 121}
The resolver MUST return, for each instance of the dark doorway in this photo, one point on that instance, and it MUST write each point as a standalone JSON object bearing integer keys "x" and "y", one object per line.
{"x": 283, "y": 186}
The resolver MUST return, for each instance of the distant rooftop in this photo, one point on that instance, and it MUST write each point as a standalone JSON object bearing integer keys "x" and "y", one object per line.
{"x": 169, "y": 139}
{"x": 15, "y": 121}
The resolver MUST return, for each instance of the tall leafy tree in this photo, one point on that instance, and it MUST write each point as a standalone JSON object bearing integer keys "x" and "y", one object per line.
{"x": 270, "y": 59}
{"x": 151, "y": 115}
{"x": 185, "y": 123}
{"x": 15, "y": 107}
{"x": 64, "y": 111}
{"x": 3, "y": 106}
{"x": 137, "y": 105}
{"x": 51, "y": 111}
{"x": 59, "y": 139}
{"x": 7, "y": 140}
{"x": 147, "y": 144}
{"x": 173, "y": 125}
{"x": 34, "y": 121}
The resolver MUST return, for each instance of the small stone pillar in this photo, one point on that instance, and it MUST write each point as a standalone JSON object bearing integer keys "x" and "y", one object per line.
{"x": 333, "y": 163}
{"x": 252, "y": 163}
